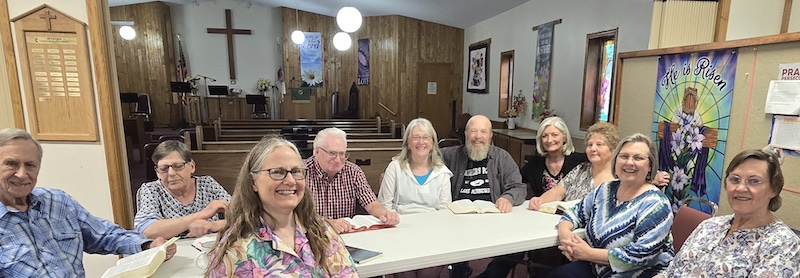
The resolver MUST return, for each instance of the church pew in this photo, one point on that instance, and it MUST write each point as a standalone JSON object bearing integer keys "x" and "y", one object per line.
{"x": 352, "y": 143}
{"x": 228, "y": 130}
{"x": 223, "y": 165}
{"x": 255, "y": 137}
{"x": 222, "y": 134}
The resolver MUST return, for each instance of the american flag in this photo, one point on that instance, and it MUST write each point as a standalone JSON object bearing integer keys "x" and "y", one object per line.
{"x": 183, "y": 71}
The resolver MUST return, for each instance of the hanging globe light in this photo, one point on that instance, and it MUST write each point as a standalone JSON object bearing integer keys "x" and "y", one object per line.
{"x": 127, "y": 32}
{"x": 298, "y": 37}
{"x": 342, "y": 41}
{"x": 349, "y": 19}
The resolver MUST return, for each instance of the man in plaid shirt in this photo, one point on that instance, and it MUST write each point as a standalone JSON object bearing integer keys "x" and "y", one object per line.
{"x": 45, "y": 231}
{"x": 338, "y": 184}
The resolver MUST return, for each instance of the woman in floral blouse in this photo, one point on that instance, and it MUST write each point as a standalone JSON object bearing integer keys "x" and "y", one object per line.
{"x": 272, "y": 229}
{"x": 750, "y": 243}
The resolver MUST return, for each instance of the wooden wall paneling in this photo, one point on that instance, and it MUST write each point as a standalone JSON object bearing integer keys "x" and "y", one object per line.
{"x": 397, "y": 45}
{"x": 146, "y": 64}
{"x": 11, "y": 66}
{"x": 109, "y": 107}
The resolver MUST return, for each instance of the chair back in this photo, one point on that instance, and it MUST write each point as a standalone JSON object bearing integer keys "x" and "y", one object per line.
{"x": 449, "y": 142}
{"x": 687, "y": 219}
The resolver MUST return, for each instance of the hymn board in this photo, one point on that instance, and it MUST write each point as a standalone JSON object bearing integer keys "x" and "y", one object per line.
{"x": 54, "y": 61}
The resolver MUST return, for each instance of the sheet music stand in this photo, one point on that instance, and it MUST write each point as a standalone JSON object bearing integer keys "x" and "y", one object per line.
{"x": 220, "y": 91}
{"x": 181, "y": 88}
{"x": 259, "y": 103}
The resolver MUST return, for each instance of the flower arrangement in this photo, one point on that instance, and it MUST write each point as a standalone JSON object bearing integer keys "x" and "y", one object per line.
{"x": 686, "y": 144}
{"x": 518, "y": 105}
{"x": 263, "y": 84}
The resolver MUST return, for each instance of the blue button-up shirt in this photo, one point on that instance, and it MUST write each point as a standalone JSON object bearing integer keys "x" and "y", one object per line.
{"x": 49, "y": 239}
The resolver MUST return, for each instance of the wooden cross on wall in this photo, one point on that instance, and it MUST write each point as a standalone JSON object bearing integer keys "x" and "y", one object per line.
{"x": 229, "y": 32}
{"x": 47, "y": 17}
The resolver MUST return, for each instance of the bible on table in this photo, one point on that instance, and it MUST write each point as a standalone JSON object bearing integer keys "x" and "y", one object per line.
{"x": 365, "y": 222}
{"x": 142, "y": 264}
{"x": 468, "y": 206}
{"x": 558, "y": 207}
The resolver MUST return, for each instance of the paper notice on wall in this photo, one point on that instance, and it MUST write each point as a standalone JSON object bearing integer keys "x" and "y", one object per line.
{"x": 789, "y": 71}
{"x": 784, "y": 132}
{"x": 783, "y": 97}
{"x": 431, "y": 88}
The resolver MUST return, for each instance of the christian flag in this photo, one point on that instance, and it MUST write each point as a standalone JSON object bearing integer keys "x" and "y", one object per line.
{"x": 183, "y": 71}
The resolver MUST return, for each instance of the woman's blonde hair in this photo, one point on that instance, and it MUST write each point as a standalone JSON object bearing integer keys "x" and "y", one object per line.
{"x": 435, "y": 157}
{"x": 245, "y": 210}
{"x": 559, "y": 124}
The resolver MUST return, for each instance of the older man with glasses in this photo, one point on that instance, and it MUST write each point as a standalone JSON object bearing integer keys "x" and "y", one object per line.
{"x": 338, "y": 184}
{"x": 179, "y": 203}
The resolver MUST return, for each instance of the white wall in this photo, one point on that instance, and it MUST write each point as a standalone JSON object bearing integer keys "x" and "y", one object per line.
{"x": 77, "y": 168}
{"x": 256, "y": 56}
{"x": 512, "y": 31}
{"x": 754, "y": 18}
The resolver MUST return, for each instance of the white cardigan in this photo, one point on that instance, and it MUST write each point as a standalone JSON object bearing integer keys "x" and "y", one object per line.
{"x": 401, "y": 192}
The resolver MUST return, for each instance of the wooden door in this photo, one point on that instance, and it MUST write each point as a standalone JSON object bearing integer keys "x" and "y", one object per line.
{"x": 435, "y": 95}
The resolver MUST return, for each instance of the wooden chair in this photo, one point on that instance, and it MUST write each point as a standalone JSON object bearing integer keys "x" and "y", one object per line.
{"x": 449, "y": 142}
{"x": 687, "y": 219}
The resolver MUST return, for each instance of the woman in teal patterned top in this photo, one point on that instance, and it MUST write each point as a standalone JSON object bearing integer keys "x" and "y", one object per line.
{"x": 272, "y": 229}
{"x": 627, "y": 220}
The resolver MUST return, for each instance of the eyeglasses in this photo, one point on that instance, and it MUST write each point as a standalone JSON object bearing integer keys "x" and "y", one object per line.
{"x": 343, "y": 155}
{"x": 626, "y": 157}
{"x": 163, "y": 169}
{"x": 280, "y": 174}
{"x": 736, "y": 180}
{"x": 417, "y": 138}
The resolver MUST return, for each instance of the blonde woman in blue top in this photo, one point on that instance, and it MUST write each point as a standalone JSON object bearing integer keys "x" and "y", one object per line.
{"x": 417, "y": 180}
{"x": 627, "y": 220}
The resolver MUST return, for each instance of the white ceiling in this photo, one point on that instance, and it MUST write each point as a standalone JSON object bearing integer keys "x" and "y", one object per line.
{"x": 456, "y": 13}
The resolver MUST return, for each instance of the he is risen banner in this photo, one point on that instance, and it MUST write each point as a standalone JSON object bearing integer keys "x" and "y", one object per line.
{"x": 690, "y": 121}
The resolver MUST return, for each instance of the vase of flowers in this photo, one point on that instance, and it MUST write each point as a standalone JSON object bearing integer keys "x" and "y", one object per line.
{"x": 263, "y": 85}
{"x": 518, "y": 106}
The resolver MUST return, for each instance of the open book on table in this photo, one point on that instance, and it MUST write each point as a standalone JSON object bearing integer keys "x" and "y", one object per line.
{"x": 142, "y": 264}
{"x": 366, "y": 222}
{"x": 361, "y": 256}
{"x": 469, "y": 206}
{"x": 558, "y": 207}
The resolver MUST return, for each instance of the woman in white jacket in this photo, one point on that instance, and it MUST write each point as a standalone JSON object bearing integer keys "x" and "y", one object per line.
{"x": 417, "y": 180}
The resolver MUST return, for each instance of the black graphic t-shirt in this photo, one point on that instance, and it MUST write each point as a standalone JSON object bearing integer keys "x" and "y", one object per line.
{"x": 476, "y": 182}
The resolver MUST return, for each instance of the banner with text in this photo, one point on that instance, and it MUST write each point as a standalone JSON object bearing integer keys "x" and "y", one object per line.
{"x": 690, "y": 122}
{"x": 541, "y": 78}
{"x": 363, "y": 62}
{"x": 311, "y": 60}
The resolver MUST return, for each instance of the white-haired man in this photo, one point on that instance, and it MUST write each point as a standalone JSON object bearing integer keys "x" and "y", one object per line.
{"x": 337, "y": 184}
{"x": 45, "y": 231}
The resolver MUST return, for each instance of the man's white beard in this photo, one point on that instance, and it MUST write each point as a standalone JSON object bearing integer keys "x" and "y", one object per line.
{"x": 478, "y": 153}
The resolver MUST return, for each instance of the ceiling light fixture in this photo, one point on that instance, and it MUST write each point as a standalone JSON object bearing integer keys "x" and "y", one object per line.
{"x": 297, "y": 36}
{"x": 349, "y": 19}
{"x": 126, "y": 31}
{"x": 342, "y": 41}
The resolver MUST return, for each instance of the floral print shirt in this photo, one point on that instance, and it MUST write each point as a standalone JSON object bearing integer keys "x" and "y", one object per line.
{"x": 769, "y": 251}
{"x": 265, "y": 255}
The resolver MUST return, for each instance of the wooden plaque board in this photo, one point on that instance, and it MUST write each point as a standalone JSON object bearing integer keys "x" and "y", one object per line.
{"x": 56, "y": 76}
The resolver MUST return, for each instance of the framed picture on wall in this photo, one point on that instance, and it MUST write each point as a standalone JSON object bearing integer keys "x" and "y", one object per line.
{"x": 478, "y": 72}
